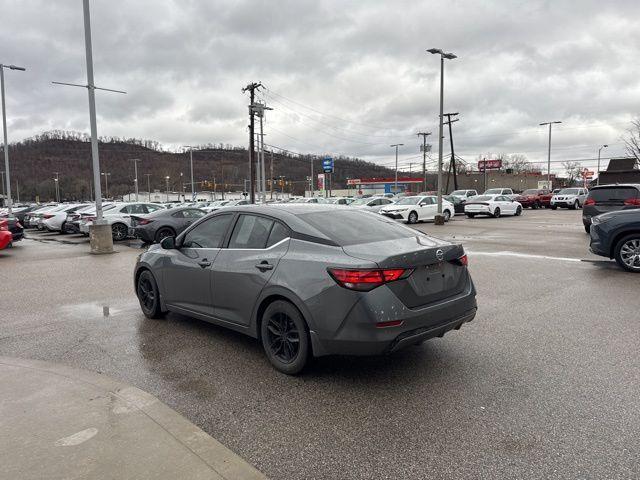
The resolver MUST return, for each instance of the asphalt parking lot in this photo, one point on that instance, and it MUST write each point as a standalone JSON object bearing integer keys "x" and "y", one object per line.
{"x": 542, "y": 384}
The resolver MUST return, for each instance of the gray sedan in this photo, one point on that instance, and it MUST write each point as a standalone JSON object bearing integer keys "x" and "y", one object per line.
{"x": 153, "y": 227}
{"x": 310, "y": 280}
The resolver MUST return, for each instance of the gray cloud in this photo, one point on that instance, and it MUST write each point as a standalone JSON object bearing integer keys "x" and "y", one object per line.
{"x": 362, "y": 64}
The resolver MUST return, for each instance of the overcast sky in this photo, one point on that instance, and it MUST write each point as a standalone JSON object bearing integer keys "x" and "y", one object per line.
{"x": 343, "y": 77}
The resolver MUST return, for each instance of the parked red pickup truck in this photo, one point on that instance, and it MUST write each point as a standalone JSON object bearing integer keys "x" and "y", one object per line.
{"x": 535, "y": 198}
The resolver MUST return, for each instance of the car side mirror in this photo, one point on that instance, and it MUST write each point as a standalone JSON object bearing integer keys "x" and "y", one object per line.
{"x": 168, "y": 243}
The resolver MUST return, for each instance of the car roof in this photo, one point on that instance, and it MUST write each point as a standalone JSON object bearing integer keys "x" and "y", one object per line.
{"x": 616, "y": 185}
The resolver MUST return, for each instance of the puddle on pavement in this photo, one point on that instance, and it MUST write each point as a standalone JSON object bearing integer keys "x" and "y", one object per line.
{"x": 95, "y": 310}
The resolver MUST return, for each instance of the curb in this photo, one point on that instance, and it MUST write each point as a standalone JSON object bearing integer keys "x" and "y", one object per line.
{"x": 217, "y": 457}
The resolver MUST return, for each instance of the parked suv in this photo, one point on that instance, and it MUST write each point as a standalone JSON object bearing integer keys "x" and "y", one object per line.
{"x": 535, "y": 198}
{"x": 608, "y": 198}
{"x": 616, "y": 235}
{"x": 572, "y": 198}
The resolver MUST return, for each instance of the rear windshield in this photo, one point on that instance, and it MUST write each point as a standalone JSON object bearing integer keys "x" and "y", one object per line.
{"x": 612, "y": 194}
{"x": 351, "y": 227}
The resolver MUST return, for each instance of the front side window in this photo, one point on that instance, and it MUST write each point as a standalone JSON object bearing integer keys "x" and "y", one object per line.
{"x": 208, "y": 234}
{"x": 251, "y": 232}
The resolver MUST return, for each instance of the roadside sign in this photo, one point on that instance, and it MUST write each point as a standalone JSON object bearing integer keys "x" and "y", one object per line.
{"x": 588, "y": 174}
{"x": 321, "y": 181}
{"x": 327, "y": 165}
{"x": 425, "y": 148}
{"x": 354, "y": 181}
{"x": 544, "y": 185}
{"x": 489, "y": 165}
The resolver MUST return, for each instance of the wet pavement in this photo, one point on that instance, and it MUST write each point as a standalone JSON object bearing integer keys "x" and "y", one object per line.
{"x": 542, "y": 384}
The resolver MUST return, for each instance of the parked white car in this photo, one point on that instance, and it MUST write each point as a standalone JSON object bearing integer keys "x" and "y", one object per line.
{"x": 120, "y": 218}
{"x": 569, "y": 198}
{"x": 418, "y": 208}
{"x": 464, "y": 194}
{"x": 373, "y": 204}
{"x": 507, "y": 192}
{"x": 54, "y": 220}
{"x": 492, "y": 205}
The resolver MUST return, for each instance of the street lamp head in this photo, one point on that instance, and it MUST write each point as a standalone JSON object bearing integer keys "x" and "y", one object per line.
{"x": 435, "y": 51}
{"x": 449, "y": 56}
{"x": 605, "y": 146}
{"x": 15, "y": 67}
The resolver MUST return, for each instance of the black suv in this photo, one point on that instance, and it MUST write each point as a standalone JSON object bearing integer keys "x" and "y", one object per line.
{"x": 608, "y": 198}
{"x": 617, "y": 235}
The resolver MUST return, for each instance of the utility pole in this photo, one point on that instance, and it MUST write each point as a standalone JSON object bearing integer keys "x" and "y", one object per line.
{"x": 599, "y": 150}
{"x": 148, "y": 185}
{"x": 271, "y": 175}
{"x": 9, "y": 202}
{"x": 135, "y": 180}
{"x": 193, "y": 194}
{"x": 439, "y": 219}
{"x": 167, "y": 182}
{"x": 424, "y": 159}
{"x": 452, "y": 163}
{"x": 549, "y": 152}
{"x": 311, "y": 178}
{"x": 251, "y": 88}
{"x": 106, "y": 186}
{"x": 396, "y": 145}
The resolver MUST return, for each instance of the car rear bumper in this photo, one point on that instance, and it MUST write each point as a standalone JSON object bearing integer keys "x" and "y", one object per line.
{"x": 358, "y": 334}
{"x": 142, "y": 234}
{"x": 596, "y": 245}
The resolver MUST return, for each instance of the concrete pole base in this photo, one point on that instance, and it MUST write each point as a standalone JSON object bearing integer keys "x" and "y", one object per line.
{"x": 100, "y": 239}
{"x": 439, "y": 219}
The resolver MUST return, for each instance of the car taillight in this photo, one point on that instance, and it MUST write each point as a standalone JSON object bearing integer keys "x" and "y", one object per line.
{"x": 366, "y": 279}
{"x": 47, "y": 216}
{"x": 589, "y": 201}
{"x": 90, "y": 219}
{"x": 143, "y": 221}
{"x": 632, "y": 201}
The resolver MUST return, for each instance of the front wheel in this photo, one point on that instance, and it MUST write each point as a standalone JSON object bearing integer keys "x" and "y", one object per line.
{"x": 470, "y": 215}
{"x": 554, "y": 207}
{"x": 285, "y": 337}
{"x": 119, "y": 231}
{"x": 447, "y": 215}
{"x": 627, "y": 253}
{"x": 518, "y": 211}
{"x": 496, "y": 213}
{"x": 148, "y": 295}
{"x": 413, "y": 218}
{"x": 587, "y": 228}
{"x": 576, "y": 205}
{"x": 164, "y": 232}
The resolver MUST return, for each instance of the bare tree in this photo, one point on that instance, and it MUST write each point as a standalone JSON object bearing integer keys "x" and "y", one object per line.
{"x": 573, "y": 170}
{"x": 632, "y": 140}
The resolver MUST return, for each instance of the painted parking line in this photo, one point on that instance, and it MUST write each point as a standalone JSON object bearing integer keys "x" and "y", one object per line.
{"x": 524, "y": 255}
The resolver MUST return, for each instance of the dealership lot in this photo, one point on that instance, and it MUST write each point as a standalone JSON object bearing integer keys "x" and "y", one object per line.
{"x": 542, "y": 384}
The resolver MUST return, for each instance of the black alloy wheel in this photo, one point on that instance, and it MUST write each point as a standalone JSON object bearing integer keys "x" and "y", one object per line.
{"x": 119, "y": 231}
{"x": 147, "y": 291}
{"x": 413, "y": 217}
{"x": 496, "y": 212}
{"x": 284, "y": 337}
{"x": 518, "y": 211}
{"x": 163, "y": 233}
{"x": 627, "y": 253}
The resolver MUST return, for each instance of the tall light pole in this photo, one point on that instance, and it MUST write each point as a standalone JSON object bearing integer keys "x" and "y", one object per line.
{"x": 439, "y": 219}
{"x": 56, "y": 183}
{"x": 190, "y": 147}
{"x": 549, "y": 152}
{"x": 599, "y": 150}
{"x": 396, "y": 145}
{"x": 148, "y": 185}
{"x": 106, "y": 186}
{"x": 135, "y": 179}
{"x": 100, "y": 235}
{"x": 167, "y": 180}
{"x": 4, "y": 129}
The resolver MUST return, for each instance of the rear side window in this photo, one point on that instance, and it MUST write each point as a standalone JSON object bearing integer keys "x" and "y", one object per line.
{"x": 208, "y": 234}
{"x": 251, "y": 232}
{"x": 613, "y": 194}
{"x": 353, "y": 227}
{"x": 278, "y": 233}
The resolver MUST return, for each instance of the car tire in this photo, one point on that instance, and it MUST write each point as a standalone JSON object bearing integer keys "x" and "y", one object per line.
{"x": 119, "y": 232}
{"x": 470, "y": 215}
{"x": 496, "y": 213}
{"x": 148, "y": 295}
{"x": 164, "y": 232}
{"x": 553, "y": 207}
{"x": 518, "y": 211}
{"x": 285, "y": 337}
{"x": 587, "y": 228}
{"x": 624, "y": 253}
{"x": 576, "y": 205}
{"x": 412, "y": 218}
{"x": 447, "y": 215}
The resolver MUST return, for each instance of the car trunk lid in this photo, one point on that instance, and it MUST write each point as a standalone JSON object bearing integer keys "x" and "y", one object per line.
{"x": 436, "y": 273}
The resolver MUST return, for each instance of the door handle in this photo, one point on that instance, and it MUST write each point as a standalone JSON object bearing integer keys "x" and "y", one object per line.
{"x": 204, "y": 263}
{"x": 264, "y": 266}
